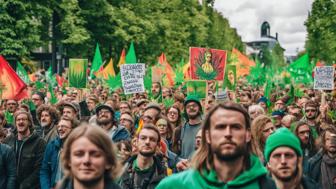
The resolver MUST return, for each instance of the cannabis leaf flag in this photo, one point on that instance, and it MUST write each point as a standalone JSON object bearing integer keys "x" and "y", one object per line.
{"x": 207, "y": 64}
{"x": 77, "y": 73}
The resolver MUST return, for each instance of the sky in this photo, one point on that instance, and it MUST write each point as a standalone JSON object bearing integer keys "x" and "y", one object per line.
{"x": 286, "y": 17}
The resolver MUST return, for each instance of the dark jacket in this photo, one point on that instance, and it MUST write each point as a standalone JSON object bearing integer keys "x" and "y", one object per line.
{"x": 127, "y": 179}
{"x": 28, "y": 160}
{"x": 314, "y": 167}
{"x": 7, "y": 167}
{"x": 50, "y": 164}
{"x": 121, "y": 133}
{"x": 68, "y": 184}
{"x": 50, "y": 133}
{"x": 309, "y": 183}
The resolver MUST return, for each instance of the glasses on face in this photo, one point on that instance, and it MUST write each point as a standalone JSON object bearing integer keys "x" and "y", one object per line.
{"x": 22, "y": 119}
{"x": 172, "y": 113}
{"x": 101, "y": 112}
{"x": 123, "y": 119}
{"x": 191, "y": 106}
{"x": 162, "y": 125}
{"x": 63, "y": 127}
{"x": 310, "y": 110}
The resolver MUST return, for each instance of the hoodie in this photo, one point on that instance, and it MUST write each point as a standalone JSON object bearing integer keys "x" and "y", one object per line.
{"x": 248, "y": 179}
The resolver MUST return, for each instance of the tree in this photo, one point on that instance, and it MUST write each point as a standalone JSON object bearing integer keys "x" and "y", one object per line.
{"x": 321, "y": 42}
{"x": 20, "y": 28}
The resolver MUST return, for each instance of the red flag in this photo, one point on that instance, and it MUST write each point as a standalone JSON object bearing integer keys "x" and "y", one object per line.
{"x": 13, "y": 86}
{"x": 60, "y": 80}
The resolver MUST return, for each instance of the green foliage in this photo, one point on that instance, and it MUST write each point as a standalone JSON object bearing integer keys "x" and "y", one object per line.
{"x": 169, "y": 26}
{"x": 321, "y": 43}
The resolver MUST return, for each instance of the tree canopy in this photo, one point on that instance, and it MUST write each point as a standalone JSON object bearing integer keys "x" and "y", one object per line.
{"x": 170, "y": 26}
{"x": 321, "y": 42}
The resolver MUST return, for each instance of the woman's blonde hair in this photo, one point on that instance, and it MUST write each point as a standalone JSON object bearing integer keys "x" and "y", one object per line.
{"x": 99, "y": 138}
{"x": 257, "y": 127}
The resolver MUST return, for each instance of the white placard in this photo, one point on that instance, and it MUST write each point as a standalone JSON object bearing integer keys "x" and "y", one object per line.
{"x": 324, "y": 78}
{"x": 132, "y": 76}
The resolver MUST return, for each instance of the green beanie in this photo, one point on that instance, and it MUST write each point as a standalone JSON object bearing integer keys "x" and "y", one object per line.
{"x": 193, "y": 98}
{"x": 282, "y": 137}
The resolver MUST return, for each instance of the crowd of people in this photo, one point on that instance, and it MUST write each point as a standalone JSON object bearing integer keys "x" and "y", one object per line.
{"x": 99, "y": 138}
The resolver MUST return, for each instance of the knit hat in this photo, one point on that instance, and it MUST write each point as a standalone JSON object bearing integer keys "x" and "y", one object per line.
{"x": 282, "y": 137}
{"x": 192, "y": 98}
{"x": 262, "y": 99}
{"x": 278, "y": 113}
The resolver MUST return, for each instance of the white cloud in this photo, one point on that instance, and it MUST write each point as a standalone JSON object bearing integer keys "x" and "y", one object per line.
{"x": 286, "y": 17}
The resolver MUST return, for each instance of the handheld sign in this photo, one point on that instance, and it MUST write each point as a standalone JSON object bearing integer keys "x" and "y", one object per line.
{"x": 77, "y": 73}
{"x": 324, "y": 78}
{"x": 132, "y": 76}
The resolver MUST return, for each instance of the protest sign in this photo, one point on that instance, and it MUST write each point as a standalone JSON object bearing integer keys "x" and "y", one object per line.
{"x": 324, "y": 78}
{"x": 197, "y": 88}
{"x": 132, "y": 76}
{"x": 207, "y": 64}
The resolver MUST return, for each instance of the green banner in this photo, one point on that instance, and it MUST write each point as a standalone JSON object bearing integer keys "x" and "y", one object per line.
{"x": 77, "y": 73}
{"x": 197, "y": 88}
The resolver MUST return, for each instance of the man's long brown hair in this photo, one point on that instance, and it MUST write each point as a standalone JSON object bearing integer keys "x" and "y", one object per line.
{"x": 203, "y": 157}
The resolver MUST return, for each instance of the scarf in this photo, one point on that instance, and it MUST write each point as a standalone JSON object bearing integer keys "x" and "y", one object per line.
{"x": 328, "y": 171}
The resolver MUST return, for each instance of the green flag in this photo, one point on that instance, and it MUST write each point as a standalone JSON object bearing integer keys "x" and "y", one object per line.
{"x": 22, "y": 73}
{"x": 301, "y": 70}
{"x": 53, "y": 99}
{"x": 96, "y": 63}
{"x": 131, "y": 57}
{"x": 51, "y": 79}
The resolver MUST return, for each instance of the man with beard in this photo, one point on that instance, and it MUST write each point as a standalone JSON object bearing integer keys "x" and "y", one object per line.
{"x": 105, "y": 119}
{"x": 144, "y": 170}
{"x": 51, "y": 170}
{"x": 29, "y": 149}
{"x": 223, "y": 160}
{"x": 305, "y": 135}
{"x": 310, "y": 115}
{"x": 48, "y": 118}
{"x": 322, "y": 166}
{"x": 283, "y": 155}
{"x": 156, "y": 92}
{"x": 189, "y": 130}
